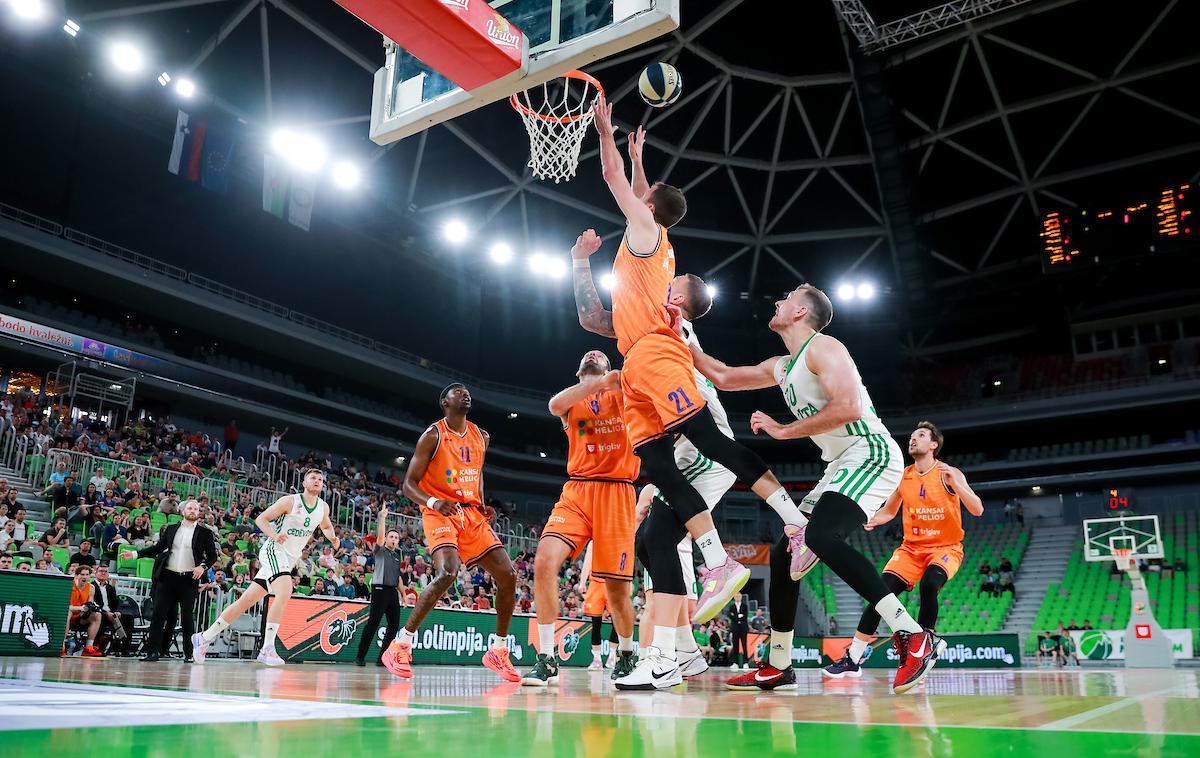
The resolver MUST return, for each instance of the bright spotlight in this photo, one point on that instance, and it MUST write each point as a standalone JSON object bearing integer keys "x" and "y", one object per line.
{"x": 455, "y": 232}
{"x": 608, "y": 281}
{"x": 126, "y": 58}
{"x": 71, "y": 28}
{"x": 164, "y": 79}
{"x": 712, "y": 292}
{"x": 303, "y": 151}
{"x": 29, "y": 10}
{"x": 345, "y": 175}
{"x": 865, "y": 291}
{"x": 185, "y": 88}
{"x": 556, "y": 267}
{"x": 501, "y": 253}
{"x": 845, "y": 292}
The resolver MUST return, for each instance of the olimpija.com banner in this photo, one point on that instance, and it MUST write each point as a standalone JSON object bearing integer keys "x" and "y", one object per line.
{"x": 988, "y": 651}
{"x": 328, "y": 630}
{"x": 33, "y": 613}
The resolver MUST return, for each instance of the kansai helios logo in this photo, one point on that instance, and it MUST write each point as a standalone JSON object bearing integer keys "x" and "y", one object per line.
{"x": 502, "y": 33}
{"x": 337, "y": 632}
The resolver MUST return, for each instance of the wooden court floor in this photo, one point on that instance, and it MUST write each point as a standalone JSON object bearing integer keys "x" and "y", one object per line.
{"x": 231, "y": 708}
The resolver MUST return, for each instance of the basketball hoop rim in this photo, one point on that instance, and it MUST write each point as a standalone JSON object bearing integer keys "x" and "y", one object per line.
{"x": 521, "y": 108}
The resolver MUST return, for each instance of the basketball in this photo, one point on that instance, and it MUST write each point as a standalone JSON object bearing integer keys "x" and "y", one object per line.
{"x": 660, "y": 85}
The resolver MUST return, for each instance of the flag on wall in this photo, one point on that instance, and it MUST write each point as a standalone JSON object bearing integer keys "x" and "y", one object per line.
{"x": 202, "y": 154}
{"x": 286, "y": 195}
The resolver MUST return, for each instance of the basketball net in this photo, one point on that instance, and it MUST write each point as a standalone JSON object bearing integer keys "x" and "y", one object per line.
{"x": 557, "y": 115}
{"x": 1124, "y": 558}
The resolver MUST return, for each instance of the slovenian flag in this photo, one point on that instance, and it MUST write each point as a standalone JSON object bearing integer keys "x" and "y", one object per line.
{"x": 201, "y": 154}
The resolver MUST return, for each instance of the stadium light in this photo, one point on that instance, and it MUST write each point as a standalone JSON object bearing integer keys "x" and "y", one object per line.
{"x": 865, "y": 291}
{"x": 712, "y": 292}
{"x": 164, "y": 79}
{"x": 303, "y": 151}
{"x": 126, "y": 58}
{"x": 556, "y": 267}
{"x": 608, "y": 281}
{"x": 28, "y": 10}
{"x": 456, "y": 232}
{"x": 512, "y": 416}
{"x": 537, "y": 263}
{"x": 71, "y": 28}
{"x": 845, "y": 292}
{"x": 346, "y": 175}
{"x": 501, "y": 253}
{"x": 185, "y": 88}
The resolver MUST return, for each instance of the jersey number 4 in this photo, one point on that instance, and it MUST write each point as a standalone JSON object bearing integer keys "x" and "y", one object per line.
{"x": 681, "y": 400}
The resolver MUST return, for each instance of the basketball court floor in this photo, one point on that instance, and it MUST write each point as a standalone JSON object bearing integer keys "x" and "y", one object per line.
{"x": 105, "y": 707}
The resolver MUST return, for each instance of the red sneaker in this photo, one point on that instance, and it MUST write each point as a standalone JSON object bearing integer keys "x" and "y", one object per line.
{"x": 398, "y": 659}
{"x": 91, "y": 652}
{"x": 497, "y": 660}
{"x": 765, "y": 677}
{"x": 918, "y": 653}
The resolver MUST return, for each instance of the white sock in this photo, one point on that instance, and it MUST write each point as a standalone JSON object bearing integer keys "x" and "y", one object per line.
{"x": 269, "y": 637}
{"x": 664, "y": 640}
{"x": 781, "y": 649}
{"x": 712, "y": 550}
{"x": 407, "y": 637}
{"x": 625, "y": 644}
{"x": 857, "y": 648}
{"x": 895, "y": 616}
{"x": 596, "y": 652}
{"x": 684, "y": 641}
{"x": 781, "y": 502}
{"x": 210, "y": 634}
{"x": 546, "y": 639}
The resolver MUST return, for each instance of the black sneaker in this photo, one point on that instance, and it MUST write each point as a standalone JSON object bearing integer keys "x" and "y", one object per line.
{"x": 843, "y": 668}
{"x": 359, "y": 662}
{"x": 624, "y": 665}
{"x": 543, "y": 673}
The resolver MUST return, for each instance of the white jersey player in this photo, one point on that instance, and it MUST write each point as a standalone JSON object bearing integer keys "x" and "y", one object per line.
{"x": 288, "y": 526}
{"x": 709, "y": 478}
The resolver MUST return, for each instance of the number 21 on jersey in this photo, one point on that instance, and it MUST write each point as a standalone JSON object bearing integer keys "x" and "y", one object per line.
{"x": 681, "y": 400}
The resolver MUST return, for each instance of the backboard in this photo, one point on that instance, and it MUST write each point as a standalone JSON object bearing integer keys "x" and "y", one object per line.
{"x": 561, "y": 35}
{"x": 1104, "y": 536}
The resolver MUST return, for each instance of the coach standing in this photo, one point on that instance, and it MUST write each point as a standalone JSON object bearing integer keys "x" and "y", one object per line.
{"x": 739, "y": 627}
{"x": 182, "y": 555}
{"x": 385, "y": 592}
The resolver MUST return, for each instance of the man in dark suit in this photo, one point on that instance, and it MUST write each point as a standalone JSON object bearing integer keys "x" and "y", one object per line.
{"x": 739, "y": 627}
{"x": 182, "y": 555}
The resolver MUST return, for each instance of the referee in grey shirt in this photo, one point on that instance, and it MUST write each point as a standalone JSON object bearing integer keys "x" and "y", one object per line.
{"x": 385, "y": 592}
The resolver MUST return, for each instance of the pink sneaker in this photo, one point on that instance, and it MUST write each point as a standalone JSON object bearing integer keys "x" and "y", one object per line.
{"x": 497, "y": 660}
{"x": 717, "y": 588}
{"x": 398, "y": 659}
{"x": 803, "y": 559}
{"x": 199, "y": 647}
{"x": 269, "y": 657}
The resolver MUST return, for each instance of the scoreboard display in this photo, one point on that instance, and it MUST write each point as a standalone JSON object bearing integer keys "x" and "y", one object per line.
{"x": 1084, "y": 237}
{"x": 1118, "y": 501}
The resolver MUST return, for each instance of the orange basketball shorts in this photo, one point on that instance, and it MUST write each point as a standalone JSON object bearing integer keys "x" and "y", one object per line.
{"x": 602, "y": 512}
{"x": 910, "y": 562}
{"x": 595, "y": 601}
{"x": 468, "y": 530}
{"x": 658, "y": 384}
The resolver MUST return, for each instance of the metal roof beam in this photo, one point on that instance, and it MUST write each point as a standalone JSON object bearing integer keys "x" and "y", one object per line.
{"x": 143, "y": 8}
{"x": 223, "y": 31}
{"x": 327, "y": 36}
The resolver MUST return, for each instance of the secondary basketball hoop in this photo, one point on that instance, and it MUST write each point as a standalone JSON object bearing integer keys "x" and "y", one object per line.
{"x": 557, "y": 115}
{"x": 1123, "y": 557}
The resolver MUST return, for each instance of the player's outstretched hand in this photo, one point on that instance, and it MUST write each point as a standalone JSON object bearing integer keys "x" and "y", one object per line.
{"x": 761, "y": 422}
{"x": 611, "y": 380}
{"x": 637, "y": 140}
{"x": 586, "y": 245}
{"x": 128, "y": 555}
{"x": 675, "y": 318}
{"x": 602, "y": 113}
{"x": 446, "y": 507}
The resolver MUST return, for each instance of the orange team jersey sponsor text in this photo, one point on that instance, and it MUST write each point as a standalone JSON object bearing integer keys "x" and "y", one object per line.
{"x": 455, "y": 471}
{"x": 932, "y": 510}
{"x": 639, "y": 300}
{"x": 597, "y": 445}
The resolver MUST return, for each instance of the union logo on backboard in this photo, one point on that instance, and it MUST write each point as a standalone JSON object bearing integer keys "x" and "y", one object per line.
{"x": 503, "y": 33}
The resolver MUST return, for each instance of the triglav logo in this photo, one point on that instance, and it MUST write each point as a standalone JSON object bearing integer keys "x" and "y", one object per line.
{"x": 502, "y": 32}
{"x": 26, "y": 622}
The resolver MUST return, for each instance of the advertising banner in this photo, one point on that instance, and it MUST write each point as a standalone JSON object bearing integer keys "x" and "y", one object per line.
{"x": 33, "y": 613}
{"x": 328, "y": 630}
{"x": 48, "y": 335}
{"x": 962, "y": 651}
{"x": 758, "y": 555}
{"x": 1109, "y": 645}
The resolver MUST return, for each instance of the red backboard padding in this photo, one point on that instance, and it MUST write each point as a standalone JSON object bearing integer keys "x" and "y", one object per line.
{"x": 464, "y": 40}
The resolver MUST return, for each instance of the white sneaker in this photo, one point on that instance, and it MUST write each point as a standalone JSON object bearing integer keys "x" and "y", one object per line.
{"x": 269, "y": 657}
{"x": 733, "y": 666}
{"x": 654, "y": 671}
{"x": 691, "y": 664}
{"x": 595, "y": 665}
{"x": 612, "y": 659}
{"x": 199, "y": 647}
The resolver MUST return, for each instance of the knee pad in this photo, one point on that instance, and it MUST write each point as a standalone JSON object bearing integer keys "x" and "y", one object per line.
{"x": 933, "y": 580}
{"x": 658, "y": 549}
{"x": 834, "y": 518}
{"x": 702, "y": 432}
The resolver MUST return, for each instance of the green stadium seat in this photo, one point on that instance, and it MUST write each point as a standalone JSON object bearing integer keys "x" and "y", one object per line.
{"x": 145, "y": 568}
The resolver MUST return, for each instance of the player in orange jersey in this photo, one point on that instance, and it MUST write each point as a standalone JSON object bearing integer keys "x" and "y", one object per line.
{"x": 596, "y": 505}
{"x": 659, "y": 388}
{"x": 930, "y": 496}
{"x": 446, "y": 477}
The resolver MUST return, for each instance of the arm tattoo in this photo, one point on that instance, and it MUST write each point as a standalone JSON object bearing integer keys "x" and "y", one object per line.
{"x": 592, "y": 315}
